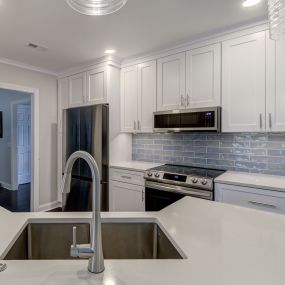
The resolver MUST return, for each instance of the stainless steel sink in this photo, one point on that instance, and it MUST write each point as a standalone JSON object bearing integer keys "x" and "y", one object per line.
{"x": 120, "y": 241}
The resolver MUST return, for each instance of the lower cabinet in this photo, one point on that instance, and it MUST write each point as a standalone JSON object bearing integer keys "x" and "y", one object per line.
{"x": 125, "y": 197}
{"x": 261, "y": 199}
{"x": 126, "y": 191}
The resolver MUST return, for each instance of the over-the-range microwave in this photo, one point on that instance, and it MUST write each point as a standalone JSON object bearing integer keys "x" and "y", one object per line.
{"x": 191, "y": 120}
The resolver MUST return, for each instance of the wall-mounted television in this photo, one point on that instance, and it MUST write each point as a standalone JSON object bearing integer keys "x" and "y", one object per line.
{"x": 1, "y": 125}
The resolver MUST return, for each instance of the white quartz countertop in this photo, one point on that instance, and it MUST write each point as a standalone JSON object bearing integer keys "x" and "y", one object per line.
{"x": 135, "y": 165}
{"x": 224, "y": 245}
{"x": 262, "y": 181}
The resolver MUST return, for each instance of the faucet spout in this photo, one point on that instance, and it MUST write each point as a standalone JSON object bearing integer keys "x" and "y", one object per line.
{"x": 95, "y": 249}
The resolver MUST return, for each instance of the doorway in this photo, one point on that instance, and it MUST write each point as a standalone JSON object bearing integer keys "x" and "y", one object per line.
{"x": 20, "y": 193}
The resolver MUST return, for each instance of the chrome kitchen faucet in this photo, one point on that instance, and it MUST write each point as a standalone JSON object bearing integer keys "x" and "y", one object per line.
{"x": 93, "y": 250}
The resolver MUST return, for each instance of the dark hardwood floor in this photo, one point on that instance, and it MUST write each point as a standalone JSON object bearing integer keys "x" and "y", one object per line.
{"x": 16, "y": 201}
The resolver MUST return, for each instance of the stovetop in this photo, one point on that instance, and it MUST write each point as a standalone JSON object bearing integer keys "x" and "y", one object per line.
{"x": 189, "y": 170}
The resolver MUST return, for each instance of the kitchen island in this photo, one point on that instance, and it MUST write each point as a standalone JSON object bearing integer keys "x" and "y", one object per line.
{"x": 222, "y": 244}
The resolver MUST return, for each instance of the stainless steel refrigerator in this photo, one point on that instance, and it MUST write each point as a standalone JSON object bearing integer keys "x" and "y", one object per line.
{"x": 86, "y": 128}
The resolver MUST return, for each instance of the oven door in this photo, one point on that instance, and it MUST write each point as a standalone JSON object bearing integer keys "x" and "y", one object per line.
{"x": 160, "y": 195}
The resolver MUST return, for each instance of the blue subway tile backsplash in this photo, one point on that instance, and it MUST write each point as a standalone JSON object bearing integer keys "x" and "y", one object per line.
{"x": 249, "y": 152}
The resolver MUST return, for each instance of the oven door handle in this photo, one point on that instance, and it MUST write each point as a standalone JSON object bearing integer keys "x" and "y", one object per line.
{"x": 178, "y": 189}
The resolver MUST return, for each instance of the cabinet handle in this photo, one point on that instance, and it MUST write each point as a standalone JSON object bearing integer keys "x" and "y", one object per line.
{"x": 126, "y": 177}
{"x": 262, "y": 204}
{"x": 260, "y": 120}
{"x": 182, "y": 101}
{"x": 139, "y": 125}
{"x": 142, "y": 196}
{"x": 270, "y": 121}
{"x": 135, "y": 125}
{"x": 188, "y": 100}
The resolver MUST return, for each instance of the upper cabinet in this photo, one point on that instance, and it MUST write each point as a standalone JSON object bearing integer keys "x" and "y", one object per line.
{"x": 243, "y": 84}
{"x": 171, "y": 82}
{"x": 77, "y": 89}
{"x": 138, "y": 97}
{"x": 203, "y": 77}
{"x": 146, "y": 95}
{"x": 275, "y": 96}
{"x": 129, "y": 98}
{"x": 97, "y": 86}
{"x": 83, "y": 89}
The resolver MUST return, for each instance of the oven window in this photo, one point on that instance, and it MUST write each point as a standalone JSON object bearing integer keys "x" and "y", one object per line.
{"x": 156, "y": 200}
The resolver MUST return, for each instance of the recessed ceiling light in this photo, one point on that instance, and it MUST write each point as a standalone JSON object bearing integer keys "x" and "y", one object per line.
{"x": 109, "y": 51}
{"x": 250, "y": 3}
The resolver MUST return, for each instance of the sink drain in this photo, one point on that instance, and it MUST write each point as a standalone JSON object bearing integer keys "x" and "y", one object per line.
{"x": 3, "y": 267}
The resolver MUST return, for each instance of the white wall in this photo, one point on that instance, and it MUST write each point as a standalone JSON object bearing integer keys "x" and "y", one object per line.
{"x": 47, "y": 86}
{"x": 6, "y": 98}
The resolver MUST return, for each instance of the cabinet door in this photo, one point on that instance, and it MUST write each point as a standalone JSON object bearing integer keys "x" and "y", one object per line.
{"x": 126, "y": 197}
{"x": 171, "y": 82}
{"x": 254, "y": 198}
{"x": 129, "y": 98}
{"x": 146, "y": 95}
{"x": 97, "y": 86}
{"x": 203, "y": 77}
{"x": 275, "y": 95}
{"x": 77, "y": 90}
{"x": 243, "y": 84}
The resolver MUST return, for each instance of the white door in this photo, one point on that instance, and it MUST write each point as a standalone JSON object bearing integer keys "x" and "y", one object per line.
{"x": 97, "y": 86}
{"x": 77, "y": 90}
{"x": 129, "y": 98}
{"x": 171, "y": 82}
{"x": 243, "y": 84}
{"x": 146, "y": 95}
{"x": 24, "y": 143}
{"x": 126, "y": 197}
{"x": 275, "y": 95}
{"x": 203, "y": 77}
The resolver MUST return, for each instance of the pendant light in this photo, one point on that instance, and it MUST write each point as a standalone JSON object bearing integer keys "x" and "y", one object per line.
{"x": 276, "y": 15}
{"x": 96, "y": 7}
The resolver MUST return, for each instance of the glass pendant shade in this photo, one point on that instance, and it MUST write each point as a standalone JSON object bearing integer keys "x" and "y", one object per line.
{"x": 276, "y": 14}
{"x": 96, "y": 7}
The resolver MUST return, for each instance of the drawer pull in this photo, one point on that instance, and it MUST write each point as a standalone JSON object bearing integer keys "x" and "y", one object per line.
{"x": 126, "y": 177}
{"x": 262, "y": 204}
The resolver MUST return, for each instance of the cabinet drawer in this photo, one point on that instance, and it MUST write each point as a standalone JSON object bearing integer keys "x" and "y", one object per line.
{"x": 132, "y": 177}
{"x": 255, "y": 201}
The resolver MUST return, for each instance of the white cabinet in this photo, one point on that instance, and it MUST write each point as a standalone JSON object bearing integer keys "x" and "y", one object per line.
{"x": 125, "y": 197}
{"x": 97, "y": 86}
{"x": 77, "y": 89}
{"x": 171, "y": 82}
{"x": 146, "y": 95}
{"x": 203, "y": 77}
{"x": 275, "y": 95}
{"x": 254, "y": 198}
{"x": 138, "y": 97}
{"x": 126, "y": 191}
{"x": 243, "y": 84}
{"x": 129, "y": 98}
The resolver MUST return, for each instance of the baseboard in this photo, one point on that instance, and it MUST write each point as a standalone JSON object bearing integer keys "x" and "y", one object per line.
{"x": 49, "y": 206}
{"x": 7, "y": 186}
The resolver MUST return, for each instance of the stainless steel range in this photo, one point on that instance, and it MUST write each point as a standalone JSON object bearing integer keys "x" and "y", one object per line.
{"x": 168, "y": 183}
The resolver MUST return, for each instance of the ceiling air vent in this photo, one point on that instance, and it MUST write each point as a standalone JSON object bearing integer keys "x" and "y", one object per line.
{"x": 37, "y": 47}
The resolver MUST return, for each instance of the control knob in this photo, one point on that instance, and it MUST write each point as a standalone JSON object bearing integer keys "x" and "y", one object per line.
{"x": 194, "y": 180}
{"x": 204, "y": 181}
{"x": 149, "y": 174}
{"x": 156, "y": 174}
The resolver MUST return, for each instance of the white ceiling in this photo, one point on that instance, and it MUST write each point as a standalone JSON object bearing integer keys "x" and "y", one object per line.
{"x": 141, "y": 26}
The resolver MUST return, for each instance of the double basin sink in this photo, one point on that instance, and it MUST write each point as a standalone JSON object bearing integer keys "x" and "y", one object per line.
{"x": 46, "y": 241}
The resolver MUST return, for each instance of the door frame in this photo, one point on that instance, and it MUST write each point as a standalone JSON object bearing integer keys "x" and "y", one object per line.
{"x": 14, "y": 151}
{"x": 34, "y": 92}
